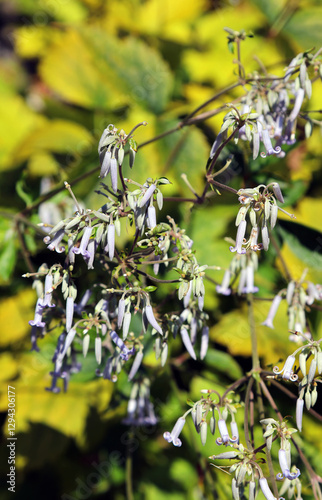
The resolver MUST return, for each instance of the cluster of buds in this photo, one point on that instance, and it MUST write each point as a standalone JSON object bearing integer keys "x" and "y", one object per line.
{"x": 309, "y": 362}
{"x": 244, "y": 267}
{"x": 270, "y": 110}
{"x": 207, "y": 412}
{"x": 260, "y": 205}
{"x": 140, "y": 409}
{"x": 299, "y": 296}
{"x": 111, "y": 151}
{"x": 189, "y": 323}
{"x": 141, "y": 202}
{"x": 284, "y": 433}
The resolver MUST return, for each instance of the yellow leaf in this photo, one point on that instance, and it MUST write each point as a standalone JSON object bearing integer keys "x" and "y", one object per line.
{"x": 65, "y": 412}
{"x": 296, "y": 266}
{"x": 17, "y": 123}
{"x": 306, "y": 212}
{"x": 233, "y": 331}
{"x": 33, "y": 41}
{"x": 15, "y": 312}
{"x": 9, "y": 367}
{"x": 59, "y": 136}
{"x": 41, "y": 164}
{"x": 77, "y": 79}
{"x": 169, "y": 19}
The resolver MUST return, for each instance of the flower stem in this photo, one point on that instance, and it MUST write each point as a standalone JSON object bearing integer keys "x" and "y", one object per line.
{"x": 128, "y": 471}
{"x": 253, "y": 336}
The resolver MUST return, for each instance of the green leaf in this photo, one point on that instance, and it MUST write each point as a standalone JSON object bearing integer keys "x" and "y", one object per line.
{"x": 223, "y": 362}
{"x": 305, "y": 27}
{"x": 8, "y": 255}
{"x": 305, "y": 243}
{"x": 110, "y": 72}
{"x": 26, "y": 197}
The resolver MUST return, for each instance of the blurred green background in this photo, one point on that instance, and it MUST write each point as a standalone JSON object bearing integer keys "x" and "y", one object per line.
{"x": 68, "y": 68}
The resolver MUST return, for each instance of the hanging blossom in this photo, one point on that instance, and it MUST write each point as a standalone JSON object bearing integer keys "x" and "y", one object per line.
{"x": 111, "y": 151}
{"x": 284, "y": 454}
{"x": 309, "y": 364}
{"x": 299, "y": 295}
{"x": 243, "y": 266}
{"x": 140, "y": 409}
{"x": 260, "y": 205}
{"x": 208, "y": 413}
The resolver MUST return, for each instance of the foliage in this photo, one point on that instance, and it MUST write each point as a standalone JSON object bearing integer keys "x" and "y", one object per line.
{"x": 71, "y": 69}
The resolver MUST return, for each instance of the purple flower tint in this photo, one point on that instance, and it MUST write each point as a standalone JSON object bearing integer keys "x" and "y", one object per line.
{"x": 268, "y": 145}
{"x": 224, "y": 436}
{"x": 286, "y": 473}
{"x": 125, "y": 351}
{"x": 289, "y": 134}
{"x": 299, "y": 413}
{"x": 79, "y": 308}
{"x": 173, "y": 436}
{"x": 69, "y": 313}
{"x": 287, "y": 370}
{"x": 55, "y": 241}
{"x": 111, "y": 240}
{"x": 250, "y": 288}
{"x": 273, "y": 310}
{"x": 53, "y": 388}
{"x": 48, "y": 291}
{"x": 106, "y": 164}
{"x": 234, "y": 432}
{"x": 91, "y": 249}
{"x": 299, "y": 97}
{"x": 152, "y": 217}
{"x": 82, "y": 249}
{"x": 151, "y": 319}
{"x": 224, "y": 287}
{"x": 147, "y": 195}
{"x": 114, "y": 174}
{"x": 216, "y": 144}
{"x": 37, "y": 321}
{"x": 239, "y": 238}
{"x": 204, "y": 342}
{"x": 187, "y": 342}
{"x": 33, "y": 338}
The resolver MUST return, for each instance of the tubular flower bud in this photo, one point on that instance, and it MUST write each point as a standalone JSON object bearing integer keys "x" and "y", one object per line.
{"x": 173, "y": 436}
{"x": 239, "y": 239}
{"x": 282, "y": 458}
{"x": 287, "y": 372}
{"x": 224, "y": 436}
{"x": 273, "y": 309}
{"x": 299, "y": 413}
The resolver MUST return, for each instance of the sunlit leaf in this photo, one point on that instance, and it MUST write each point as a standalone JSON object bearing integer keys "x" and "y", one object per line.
{"x": 110, "y": 73}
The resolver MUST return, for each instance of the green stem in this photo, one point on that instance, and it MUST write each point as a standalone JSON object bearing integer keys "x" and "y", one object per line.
{"x": 314, "y": 478}
{"x": 128, "y": 472}
{"x": 253, "y": 336}
{"x": 246, "y": 419}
